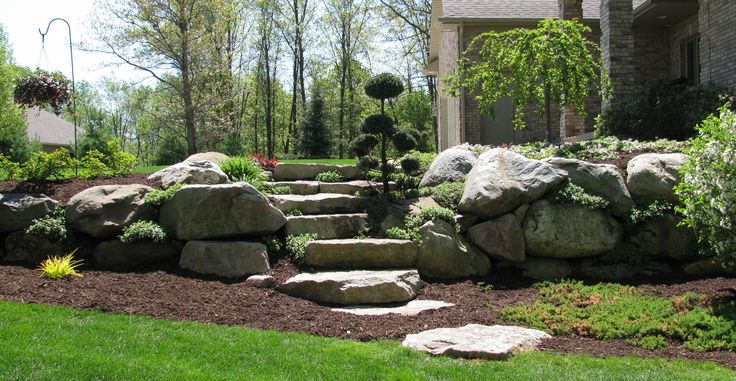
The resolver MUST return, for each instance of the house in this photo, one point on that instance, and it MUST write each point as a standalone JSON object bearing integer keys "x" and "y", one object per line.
{"x": 640, "y": 40}
{"x": 51, "y": 131}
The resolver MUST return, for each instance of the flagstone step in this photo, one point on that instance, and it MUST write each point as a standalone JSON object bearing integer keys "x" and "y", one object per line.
{"x": 300, "y": 187}
{"x": 413, "y": 308}
{"x": 286, "y": 171}
{"x": 327, "y": 226}
{"x": 351, "y": 187}
{"x": 323, "y": 203}
{"x": 360, "y": 254}
{"x": 355, "y": 287}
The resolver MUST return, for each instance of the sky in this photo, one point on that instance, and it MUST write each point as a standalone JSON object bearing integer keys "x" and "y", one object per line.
{"x": 21, "y": 20}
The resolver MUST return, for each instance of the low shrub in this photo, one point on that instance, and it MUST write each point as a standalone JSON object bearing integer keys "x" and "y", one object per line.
{"x": 612, "y": 311}
{"x": 60, "y": 267}
{"x": 246, "y": 169}
{"x": 567, "y": 192}
{"x": 158, "y": 197}
{"x": 448, "y": 195}
{"x": 435, "y": 213}
{"x": 52, "y": 227}
{"x": 399, "y": 233}
{"x": 277, "y": 190}
{"x": 119, "y": 162}
{"x": 273, "y": 244}
{"x": 93, "y": 166}
{"x": 47, "y": 166}
{"x": 606, "y": 148}
{"x": 643, "y": 213}
{"x": 293, "y": 213}
{"x": 144, "y": 231}
{"x": 707, "y": 187}
{"x": 265, "y": 163}
{"x": 9, "y": 170}
{"x": 330, "y": 177}
{"x": 295, "y": 245}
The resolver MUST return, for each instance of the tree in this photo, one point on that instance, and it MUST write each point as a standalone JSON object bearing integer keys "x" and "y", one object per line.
{"x": 316, "y": 139}
{"x": 552, "y": 64}
{"x": 14, "y": 141}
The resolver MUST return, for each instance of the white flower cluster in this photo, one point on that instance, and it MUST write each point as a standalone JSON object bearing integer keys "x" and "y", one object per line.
{"x": 708, "y": 190}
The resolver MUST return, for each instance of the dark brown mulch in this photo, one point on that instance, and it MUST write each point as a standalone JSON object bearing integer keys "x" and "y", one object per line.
{"x": 174, "y": 294}
{"x": 64, "y": 190}
{"x": 622, "y": 161}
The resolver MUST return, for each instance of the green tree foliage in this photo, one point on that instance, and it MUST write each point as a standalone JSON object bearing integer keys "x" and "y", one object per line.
{"x": 14, "y": 143}
{"x": 414, "y": 110}
{"x": 315, "y": 134}
{"x": 552, "y": 64}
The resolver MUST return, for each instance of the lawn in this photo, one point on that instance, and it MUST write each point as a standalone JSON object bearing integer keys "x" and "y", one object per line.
{"x": 50, "y": 343}
{"x": 149, "y": 169}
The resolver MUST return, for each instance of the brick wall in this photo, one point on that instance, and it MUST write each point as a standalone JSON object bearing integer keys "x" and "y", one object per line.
{"x": 617, "y": 45}
{"x": 717, "y": 19}
{"x": 652, "y": 52}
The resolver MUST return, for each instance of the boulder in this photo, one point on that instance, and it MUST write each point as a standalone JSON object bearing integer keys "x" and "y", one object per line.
{"x": 603, "y": 180}
{"x": 444, "y": 255}
{"x": 190, "y": 172}
{"x": 465, "y": 221}
{"x": 104, "y": 210}
{"x": 475, "y": 341}
{"x": 301, "y": 187}
{"x": 568, "y": 231}
{"x": 286, "y": 171}
{"x": 327, "y": 226}
{"x": 503, "y": 180}
{"x": 119, "y": 255}
{"x": 398, "y": 211}
{"x": 652, "y": 176}
{"x": 704, "y": 267}
{"x": 451, "y": 165}
{"x": 662, "y": 237}
{"x": 214, "y": 157}
{"x": 323, "y": 203}
{"x": 541, "y": 268}
{"x": 32, "y": 249}
{"x": 594, "y": 268}
{"x": 355, "y": 287}
{"x": 260, "y": 281}
{"x": 220, "y": 211}
{"x": 225, "y": 258}
{"x": 18, "y": 210}
{"x": 500, "y": 238}
{"x": 413, "y": 308}
{"x": 369, "y": 253}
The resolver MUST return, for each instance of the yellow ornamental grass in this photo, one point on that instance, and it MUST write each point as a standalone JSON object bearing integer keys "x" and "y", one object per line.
{"x": 60, "y": 267}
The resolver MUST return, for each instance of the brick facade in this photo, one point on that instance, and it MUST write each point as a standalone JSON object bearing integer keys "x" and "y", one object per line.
{"x": 617, "y": 45}
{"x": 717, "y": 19}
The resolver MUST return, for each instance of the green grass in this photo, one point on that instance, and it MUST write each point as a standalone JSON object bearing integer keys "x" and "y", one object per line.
{"x": 320, "y": 161}
{"x": 149, "y": 169}
{"x": 57, "y": 343}
{"x": 613, "y": 311}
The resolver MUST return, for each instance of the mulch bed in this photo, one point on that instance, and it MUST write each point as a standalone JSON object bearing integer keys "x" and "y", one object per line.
{"x": 176, "y": 294}
{"x": 64, "y": 190}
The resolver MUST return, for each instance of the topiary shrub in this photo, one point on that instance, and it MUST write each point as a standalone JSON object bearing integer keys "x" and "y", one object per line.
{"x": 144, "y": 231}
{"x": 384, "y": 86}
{"x": 707, "y": 187}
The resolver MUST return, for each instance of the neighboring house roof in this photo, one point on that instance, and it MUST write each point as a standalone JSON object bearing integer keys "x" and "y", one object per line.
{"x": 50, "y": 129}
{"x": 511, "y": 9}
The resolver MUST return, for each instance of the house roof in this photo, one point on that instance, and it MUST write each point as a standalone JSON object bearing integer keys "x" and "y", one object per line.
{"x": 50, "y": 129}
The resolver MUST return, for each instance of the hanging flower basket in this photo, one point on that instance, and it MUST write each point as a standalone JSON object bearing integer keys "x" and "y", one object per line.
{"x": 43, "y": 89}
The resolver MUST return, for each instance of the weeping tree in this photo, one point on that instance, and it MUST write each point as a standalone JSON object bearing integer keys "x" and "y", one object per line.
{"x": 379, "y": 131}
{"x": 552, "y": 64}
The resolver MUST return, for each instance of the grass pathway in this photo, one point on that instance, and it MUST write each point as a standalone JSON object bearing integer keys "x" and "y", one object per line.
{"x": 53, "y": 343}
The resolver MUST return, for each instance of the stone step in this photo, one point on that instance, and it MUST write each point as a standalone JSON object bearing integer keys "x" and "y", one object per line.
{"x": 323, "y": 203}
{"x": 327, "y": 226}
{"x": 354, "y": 254}
{"x": 413, "y": 308}
{"x": 351, "y": 187}
{"x": 285, "y": 171}
{"x": 355, "y": 287}
{"x": 300, "y": 187}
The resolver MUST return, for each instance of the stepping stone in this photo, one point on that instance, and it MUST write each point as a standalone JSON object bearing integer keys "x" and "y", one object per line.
{"x": 328, "y": 226}
{"x": 351, "y": 187}
{"x": 225, "y": 258}
{"x": 370, "y": 253}
{"x": 284, "y": 171}
{"x": 409, "y": 309}
{"x": 475, "y": 341}
{"x": 323, "y": 203}
{"x": 355, "y": 287}
{"x": 300, "y": 187}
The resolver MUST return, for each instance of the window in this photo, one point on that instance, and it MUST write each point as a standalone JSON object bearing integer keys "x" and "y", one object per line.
{"x": 690, "y": 60}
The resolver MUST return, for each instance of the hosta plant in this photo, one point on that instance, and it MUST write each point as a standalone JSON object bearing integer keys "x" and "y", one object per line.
{"x": 43, "y": 89}
{"x": 60, "y": 267}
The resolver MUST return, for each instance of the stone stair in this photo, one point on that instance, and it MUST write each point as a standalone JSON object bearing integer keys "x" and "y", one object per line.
{"x": 359, "y": 274}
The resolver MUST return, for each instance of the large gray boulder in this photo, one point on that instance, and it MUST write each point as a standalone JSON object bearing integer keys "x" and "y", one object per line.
{"x": 541, "y": 268}
{"x": 225, "y": 258}
{"x": 451, "y": 165}
{"x": 568, "y": 231}
{"x": 652, "y": 176}
{"x": 603, "y": 180}
{"x": 475, "y": 341}
{"x": 191, "y": 172}
{"x": 287, "y": 171}
{"x": 119, "y": 255}
{"x": 662, "y": 237}
{"x": 359, "y": 254}
{"x": 355, "y": 287}
{"x": 322, "y": 203}
{"x": 32, "y": 249}
{"x": 503, "y": 180}
{"x": 215, "y": 157}
{"x": 500, "y": 238}
{"x": 18, "y": 210}
{"x": 444, "y": 255}
{"x": 103, "y": 211}
{"x": 220, "y": 211}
